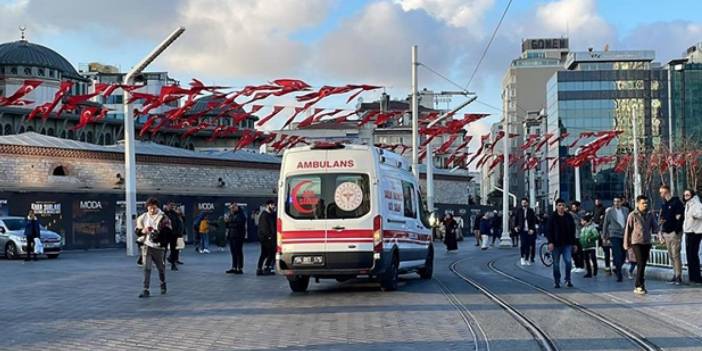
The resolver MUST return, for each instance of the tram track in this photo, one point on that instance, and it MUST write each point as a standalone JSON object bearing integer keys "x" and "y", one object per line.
{"x": 635, "y": 338}
{"x": 545, "y": 342}
{"x": 481, "y": 342}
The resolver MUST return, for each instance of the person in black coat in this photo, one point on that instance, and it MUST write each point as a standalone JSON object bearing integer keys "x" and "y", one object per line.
{"x": 561, "y": 242}
{"x": 32, "y": 230}
{"x": 267, "y": 235}
{"x": 177, "y": 232}
{"x": 476, "y": 227}
{"x": 450, "y": 237}
{"x": 235, "y": 224}
{"x": 525, "y": 225}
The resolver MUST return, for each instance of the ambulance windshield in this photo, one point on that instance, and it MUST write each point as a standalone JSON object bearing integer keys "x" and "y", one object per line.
{"x": 327, "y": 196}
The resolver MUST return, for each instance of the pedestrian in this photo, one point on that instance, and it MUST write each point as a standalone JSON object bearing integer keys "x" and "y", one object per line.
{"x": 32, "y": 230}
{"x": 561, "y": 242}
{"x": 598, "y": 214}
{"x": 196, "y": 230}
{"x": 476, "y": 227}
{"x": 640, "y": 226}
{"x": 450, "y": 239}
{"x": 459, "y": 227}
{"x": 496, "y": 226}
{"x": 154, "y": 229}
{"x": 525, "y": 225}
{"x": 692, "y": 226}
{"x": 235, "y": 224}
{"x": 613, "y": 233}
{"x": 267, "y": 236}
{"x": 183, "y": 235}
{"x": 252, "y": 224}
{"x": 577, "y": 213}
{"x": 486, "y": 229}
{"x": 177, "y": 226}
{"x": 204, "y": 230}
{"x": 588, "y": 241}
{"x": 671, "y": 221}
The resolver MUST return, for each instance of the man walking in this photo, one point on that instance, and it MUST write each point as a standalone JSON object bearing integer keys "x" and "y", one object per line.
{"x": 267, "y": 236}
{"x": 32, "y": 230}
{"x": 235, "y": 224}
{"x": 561, "y": 241}
{"x": 177, "y": 225}
{"x": 640, "y": 225}
{"x": 671, "y": 220}
{"x": 598, "y": 214}
{"x": 154, "y": 230}
{"x": 525, "y": 225}
{"x": 613, "y": 233}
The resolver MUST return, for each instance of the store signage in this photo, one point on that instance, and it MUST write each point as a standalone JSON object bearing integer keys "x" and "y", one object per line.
{"x": 206, "y": 206}
{"x": 46, "y": 208}
{"x": 91, "y": 205}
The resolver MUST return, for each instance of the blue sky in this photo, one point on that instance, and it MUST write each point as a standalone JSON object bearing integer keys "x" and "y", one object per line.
{"x": 344, "y": 41}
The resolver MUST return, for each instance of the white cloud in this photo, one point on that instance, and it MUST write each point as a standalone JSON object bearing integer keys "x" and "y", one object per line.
{"x": 457, "y": 13}
{"x": 245, "y": 38}
{"x": 576, "y": 18}
{"x": 668, "y": 39}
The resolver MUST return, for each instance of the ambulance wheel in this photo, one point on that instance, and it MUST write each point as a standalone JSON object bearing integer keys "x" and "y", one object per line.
{"x": 389, "y": 279}
{"x": 427, "y": 271}
{"x": 299, "y": 283}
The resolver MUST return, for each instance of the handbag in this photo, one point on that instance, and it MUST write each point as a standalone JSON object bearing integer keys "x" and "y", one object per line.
{"x": 180, "y": 244}
{"x": 38, "y": 246}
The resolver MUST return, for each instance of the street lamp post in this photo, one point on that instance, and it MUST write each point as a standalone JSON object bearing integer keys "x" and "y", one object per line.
{"x": 415, "y": 116}
{"x": 505, "y": 239}
{"x": 129, "y": 151}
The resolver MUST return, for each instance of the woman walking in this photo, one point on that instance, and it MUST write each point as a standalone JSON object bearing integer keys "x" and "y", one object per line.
{"x": 450, "y": 236}
{"x": 692, "y": 227}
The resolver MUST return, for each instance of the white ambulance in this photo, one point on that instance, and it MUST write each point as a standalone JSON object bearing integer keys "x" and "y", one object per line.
{"x": 346, "y": 211}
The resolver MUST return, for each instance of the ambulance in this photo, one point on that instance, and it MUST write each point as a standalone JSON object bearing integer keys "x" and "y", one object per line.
{"x": 347, "y": 211}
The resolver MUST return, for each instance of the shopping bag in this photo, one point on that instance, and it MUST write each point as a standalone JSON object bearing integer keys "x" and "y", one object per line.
{"x": 180, "y": 244}
{"x": 38, "y": 246}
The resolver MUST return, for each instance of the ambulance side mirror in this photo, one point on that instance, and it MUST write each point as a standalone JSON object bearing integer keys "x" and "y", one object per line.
{"x": 434, "y": 220}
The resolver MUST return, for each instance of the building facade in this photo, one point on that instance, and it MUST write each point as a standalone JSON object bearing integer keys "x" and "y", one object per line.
{"x": 602, "y": 90}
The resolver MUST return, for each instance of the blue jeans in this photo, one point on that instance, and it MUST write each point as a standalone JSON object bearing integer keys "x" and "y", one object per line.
{"x": 567, "y": 253}
{"x": 618, "y": 255}
{"x": 204, "y": 241}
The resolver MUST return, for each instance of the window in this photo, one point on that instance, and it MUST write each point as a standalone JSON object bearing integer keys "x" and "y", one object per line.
{"x": 13, "y": 70}
{"x": 327, "y": 196}
{"x": 59, "y": 171}
{"x": 41, "y": 72}
{"x": 27, "y": 71}
{"x": 423, "y": 211}
{"x": 409, "y": 202}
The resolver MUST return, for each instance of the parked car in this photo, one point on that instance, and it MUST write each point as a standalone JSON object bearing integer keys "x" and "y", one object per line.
{"x": 13, "y": 244}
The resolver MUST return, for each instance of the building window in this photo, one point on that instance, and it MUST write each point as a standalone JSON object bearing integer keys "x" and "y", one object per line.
{"x": 27, "y": 71}
{"x": 8, "y": 129}
{"x": 108, "y": 139}
{"x": 30, "y": 129}
{"x": 71, "y": 135}
{"x": 51, "y": 73}
{"x": 90, "y": 137}
{"x": 41, "y": 72}
{"x": 13, "y": 70}
{"x": 59, "y": 172}
{"x": 63, "y": 134}
{"x": 82, "y": 136}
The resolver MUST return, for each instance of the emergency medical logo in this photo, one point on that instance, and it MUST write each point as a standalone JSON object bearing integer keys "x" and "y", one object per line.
{"x": 304, "y": 198}
{"x": 348, "y": 196}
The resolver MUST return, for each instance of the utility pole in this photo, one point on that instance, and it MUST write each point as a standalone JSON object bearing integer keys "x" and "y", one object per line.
{"x": 505, "y": 239}
{"x": 129, "y": 151}
{"x": 532, "y": 186}
{"x": 578, "y": 195}
{"x": 670, "y": 129}
{"x": 637, "y": 176}
{"x": 415, "y": 115}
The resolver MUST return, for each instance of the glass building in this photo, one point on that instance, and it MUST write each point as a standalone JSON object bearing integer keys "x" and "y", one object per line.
{"x": 602, "y": 91}
{"x": 686, "y": 104}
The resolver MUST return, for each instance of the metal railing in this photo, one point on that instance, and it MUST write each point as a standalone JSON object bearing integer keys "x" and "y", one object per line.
{"x": 659, "y": 256}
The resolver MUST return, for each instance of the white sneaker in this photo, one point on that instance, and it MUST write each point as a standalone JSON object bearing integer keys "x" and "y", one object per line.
{"x": 206, "y": 251}
{"x": 522, "y": 262}
{"x": 528, "y": 263}
{"x": 574, "y": 270}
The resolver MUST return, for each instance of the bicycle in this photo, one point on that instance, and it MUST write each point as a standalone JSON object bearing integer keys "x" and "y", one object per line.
{"x": 545, "y": 255}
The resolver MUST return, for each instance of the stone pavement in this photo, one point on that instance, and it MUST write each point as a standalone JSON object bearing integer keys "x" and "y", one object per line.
{"x": 88, "y": 301}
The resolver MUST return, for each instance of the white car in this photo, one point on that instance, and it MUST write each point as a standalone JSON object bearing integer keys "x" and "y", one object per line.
{"x": 13, "y": 243}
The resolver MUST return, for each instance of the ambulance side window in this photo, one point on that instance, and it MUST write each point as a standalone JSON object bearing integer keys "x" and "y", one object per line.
{"x": 410, "y": 203}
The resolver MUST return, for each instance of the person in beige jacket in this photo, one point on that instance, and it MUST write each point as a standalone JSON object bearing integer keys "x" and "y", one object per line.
{"x": 692, "y": 226}
{"x": 639, "y": 229}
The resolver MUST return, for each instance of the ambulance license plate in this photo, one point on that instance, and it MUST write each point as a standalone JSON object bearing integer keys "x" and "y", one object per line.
{"x": 308, "y": 260}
